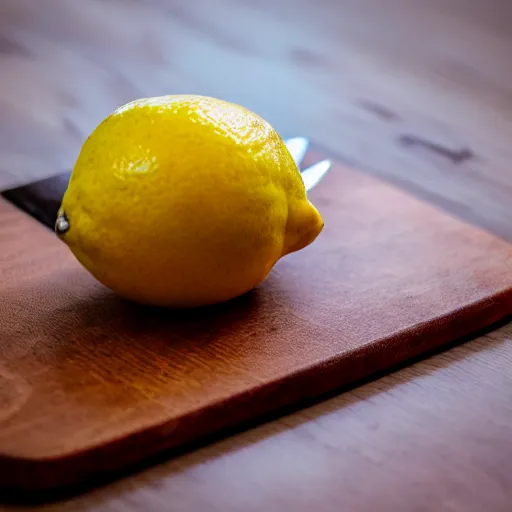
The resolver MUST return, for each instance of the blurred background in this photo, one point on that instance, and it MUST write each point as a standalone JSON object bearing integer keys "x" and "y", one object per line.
{"x": 418, "y": 92}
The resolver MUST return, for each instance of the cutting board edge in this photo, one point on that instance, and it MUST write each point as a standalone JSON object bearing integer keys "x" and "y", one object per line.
{"x": 39, "y": 475}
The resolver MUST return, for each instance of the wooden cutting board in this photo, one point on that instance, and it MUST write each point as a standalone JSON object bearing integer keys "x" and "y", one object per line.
{"x": 90, "y": 383}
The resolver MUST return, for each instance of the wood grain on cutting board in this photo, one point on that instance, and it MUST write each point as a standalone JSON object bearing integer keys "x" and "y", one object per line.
{"x": 89, "y": 383}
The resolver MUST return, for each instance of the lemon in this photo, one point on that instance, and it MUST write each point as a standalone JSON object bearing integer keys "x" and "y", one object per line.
{"x": 184, "y": 201}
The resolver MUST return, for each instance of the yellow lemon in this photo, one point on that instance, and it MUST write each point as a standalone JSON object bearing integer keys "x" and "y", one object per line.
{"x": 184, "y": 201}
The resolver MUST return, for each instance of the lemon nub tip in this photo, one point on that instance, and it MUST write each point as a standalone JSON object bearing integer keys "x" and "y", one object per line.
{"x": 62, "y": 224}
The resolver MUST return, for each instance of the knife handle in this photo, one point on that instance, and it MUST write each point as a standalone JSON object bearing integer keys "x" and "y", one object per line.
{"x": 40, "y": 199}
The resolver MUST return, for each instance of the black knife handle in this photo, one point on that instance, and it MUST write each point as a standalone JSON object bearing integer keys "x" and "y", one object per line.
{"x": 40, "y": 199}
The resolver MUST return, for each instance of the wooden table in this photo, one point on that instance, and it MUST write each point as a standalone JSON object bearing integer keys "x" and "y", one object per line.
{"x": 415, "y": 91}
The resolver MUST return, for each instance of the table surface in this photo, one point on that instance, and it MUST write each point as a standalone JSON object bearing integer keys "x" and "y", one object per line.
{"x": 417, "y": 92}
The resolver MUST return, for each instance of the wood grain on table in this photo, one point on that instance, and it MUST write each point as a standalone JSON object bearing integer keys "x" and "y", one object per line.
{"x": 415, "y": 91}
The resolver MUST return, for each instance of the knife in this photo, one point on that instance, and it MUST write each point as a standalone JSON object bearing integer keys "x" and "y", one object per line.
{"x": 41, "y": 199}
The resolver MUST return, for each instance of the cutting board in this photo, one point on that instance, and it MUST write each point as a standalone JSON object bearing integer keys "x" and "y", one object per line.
{"x": 90, "y": 383}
